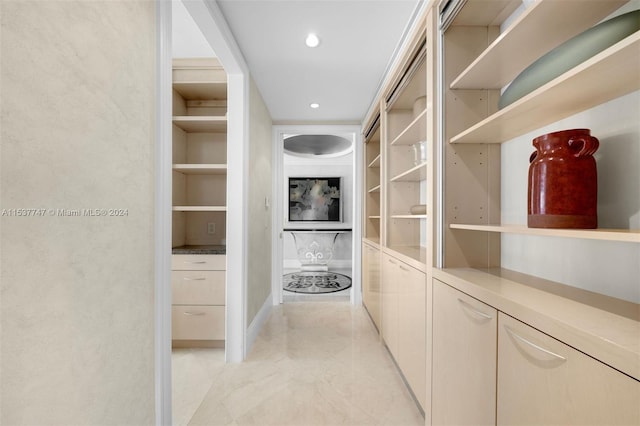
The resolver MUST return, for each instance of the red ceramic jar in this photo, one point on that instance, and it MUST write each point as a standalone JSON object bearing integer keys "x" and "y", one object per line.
{"x": 563, "y": 182}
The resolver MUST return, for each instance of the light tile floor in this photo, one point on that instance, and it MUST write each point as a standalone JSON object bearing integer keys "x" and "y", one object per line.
{"x": 314, "y": 363}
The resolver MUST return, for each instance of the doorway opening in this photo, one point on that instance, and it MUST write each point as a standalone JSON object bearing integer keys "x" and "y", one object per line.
{"x": 316, "y": 214}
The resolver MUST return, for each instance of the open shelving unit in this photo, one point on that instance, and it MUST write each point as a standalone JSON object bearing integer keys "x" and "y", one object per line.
{"x": 608, "y": 76}
{"x": 199, "y": 152}
{"x": 372, "y": 181}
{"x": 472, "y": 138}
{"x": 505, "y": 58}
{"x": 514, "y": 295}
{"x": 405, "y": 175}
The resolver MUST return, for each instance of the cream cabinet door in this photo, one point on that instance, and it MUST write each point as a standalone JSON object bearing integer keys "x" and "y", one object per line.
{"x": 412, "y": 328}
{"x": 543, "y": 381}
{"x": 371, "y": 282}
{"x": 390, "y": 277}
{"x": 464, "y": 359}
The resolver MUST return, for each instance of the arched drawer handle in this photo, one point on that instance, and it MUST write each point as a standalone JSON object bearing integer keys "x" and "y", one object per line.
{"x": 473, "y": 310}
{"x": 404, "y": 268}
{"x": 194, "y": 279}
{"x": 194, "y": 314}
{"x": 198, "y": 262}
{"x": 533, "y": 345}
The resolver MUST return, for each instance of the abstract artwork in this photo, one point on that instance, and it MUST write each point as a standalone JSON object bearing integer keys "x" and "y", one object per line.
{"x": 314, "y": 199}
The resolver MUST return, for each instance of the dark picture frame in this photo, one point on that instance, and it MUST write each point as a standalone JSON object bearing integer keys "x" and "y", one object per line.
{"x": 315, "y": 199}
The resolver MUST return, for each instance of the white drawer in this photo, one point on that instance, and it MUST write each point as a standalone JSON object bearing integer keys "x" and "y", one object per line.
{"x": 198, "y": 287}
{"x": 198, "y": 262}
{"x": 197, "y": 322}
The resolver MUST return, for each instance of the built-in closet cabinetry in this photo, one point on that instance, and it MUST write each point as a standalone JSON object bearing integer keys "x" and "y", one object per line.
{"x": 371, "y": 291}
{"x": 372, "y": 181}
{"x": 199, "y": 201}
{"x": 396, "y": 220}
{"x": 564, "y": 355}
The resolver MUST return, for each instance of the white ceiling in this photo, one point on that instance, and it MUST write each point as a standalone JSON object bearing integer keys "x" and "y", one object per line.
{"x": 357, "y": 42}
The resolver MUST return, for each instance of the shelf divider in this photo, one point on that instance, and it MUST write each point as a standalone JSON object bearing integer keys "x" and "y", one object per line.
{"x": 414, "y": 132}
{"x": 199, "y": 208}
{"x": 201, "y": 123}
{"x": 608, "y": 75}
{"x": 624, "y": 235}
{"x": 414, "y": 174}
{"x": 201, "y": 169}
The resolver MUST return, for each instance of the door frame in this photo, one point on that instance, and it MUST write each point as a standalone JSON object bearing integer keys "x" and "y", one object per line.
{"x": 211, "y": 22}
{"x": 278, "y": 203}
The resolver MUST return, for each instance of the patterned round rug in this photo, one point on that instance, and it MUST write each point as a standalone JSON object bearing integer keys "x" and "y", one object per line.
{"x": 316, "y": 282}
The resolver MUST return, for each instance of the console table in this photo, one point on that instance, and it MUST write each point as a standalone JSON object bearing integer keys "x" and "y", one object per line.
{"x": 315, "y": 246}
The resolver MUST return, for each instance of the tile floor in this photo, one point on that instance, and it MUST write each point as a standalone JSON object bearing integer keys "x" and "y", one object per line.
{"x": 314, "y": 363}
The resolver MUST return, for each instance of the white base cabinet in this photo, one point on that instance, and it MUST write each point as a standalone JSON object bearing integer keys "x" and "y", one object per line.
{"x": 371, "y": 296}
{"x": 491, "y": 368}
{"x": 464, "y": 359}
{"x": 543, "y": 381}
{"x": 404, "y": 321}
{"x": 198, "y": 298}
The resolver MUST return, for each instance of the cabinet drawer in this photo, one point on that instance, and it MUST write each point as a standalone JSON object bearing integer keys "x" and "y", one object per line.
{"x": 198, "y": 262}
{"x": 198, "y": 287}
{"x": 197, "y": 322}
{"x": 543, "y": 381}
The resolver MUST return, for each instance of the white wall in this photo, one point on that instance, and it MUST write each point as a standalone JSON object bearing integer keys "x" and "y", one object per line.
{"x": 323, "y": 167}
{"x": 605, "y": 267}
{"x": 260, "y": 202}
{"x": 187, "y": 40}
{"x": 78, "y": 102}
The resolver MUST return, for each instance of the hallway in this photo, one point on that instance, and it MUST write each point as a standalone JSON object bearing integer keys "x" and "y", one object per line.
{"x": 314, "y": 363}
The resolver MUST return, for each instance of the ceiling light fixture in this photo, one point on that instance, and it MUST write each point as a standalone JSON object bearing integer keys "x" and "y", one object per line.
{"x": 314, "y": 105}
{"x": 312, "y": 40}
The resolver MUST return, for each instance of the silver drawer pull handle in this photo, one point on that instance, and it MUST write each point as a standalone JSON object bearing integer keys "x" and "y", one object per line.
{"x": 404, "y": 268}
{"x": 194, "y": 279}
{"x": 199, "y": 262}
{"x": 392, "y": 261}
{"x": 533, "y": 345}
{"x": 194, "y": 314}
{"x": 473, "y": 310}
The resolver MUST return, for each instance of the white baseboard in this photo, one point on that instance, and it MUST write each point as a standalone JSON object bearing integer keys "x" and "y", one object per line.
{"x": 258, "y": 323}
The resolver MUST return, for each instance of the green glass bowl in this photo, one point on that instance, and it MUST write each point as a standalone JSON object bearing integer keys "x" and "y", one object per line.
{"x": 570, "y": 54}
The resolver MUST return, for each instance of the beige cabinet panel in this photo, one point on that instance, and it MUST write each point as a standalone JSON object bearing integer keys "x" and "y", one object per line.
{"x": 390, "y": 282}
{"x": 197, "y": 322}
{"x": 404, "y": 321}
{"x": 198, "y": 287}
{"x": 412, "y": 329}
{"x": 198, "y": 262}
{"x": 371, "y": 282}
{"x": 464, "y": 359}
{"x": 543, "y": 381}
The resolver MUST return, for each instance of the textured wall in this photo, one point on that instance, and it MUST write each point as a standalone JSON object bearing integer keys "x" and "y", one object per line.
{"x": 260, "y": 163}
{"x": 77, "y": 132}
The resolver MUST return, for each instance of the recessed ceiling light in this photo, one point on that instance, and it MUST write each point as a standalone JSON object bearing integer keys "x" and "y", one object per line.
{"x": 314, "y": 105}
{"x": 312, "y": 40}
